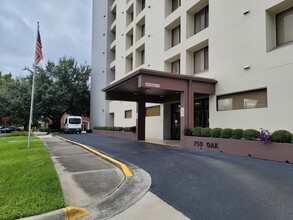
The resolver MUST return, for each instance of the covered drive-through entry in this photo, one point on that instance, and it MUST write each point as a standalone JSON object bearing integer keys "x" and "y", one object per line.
{"x": 149, "y": 86}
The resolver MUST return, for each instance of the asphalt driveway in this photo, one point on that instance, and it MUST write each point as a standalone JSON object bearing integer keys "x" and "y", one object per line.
{"x": 207, "y": 185}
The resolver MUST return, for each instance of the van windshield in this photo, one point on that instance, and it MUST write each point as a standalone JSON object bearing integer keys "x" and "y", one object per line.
{"x": 74, "y": 121}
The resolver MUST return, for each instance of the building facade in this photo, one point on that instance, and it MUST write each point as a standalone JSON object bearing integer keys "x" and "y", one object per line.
{"x": 192, "y": 63}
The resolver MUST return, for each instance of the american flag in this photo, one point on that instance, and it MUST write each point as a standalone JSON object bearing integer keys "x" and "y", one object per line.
{"x": 39, "y": 53}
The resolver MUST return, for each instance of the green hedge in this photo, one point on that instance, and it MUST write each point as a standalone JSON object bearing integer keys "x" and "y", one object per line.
{"x": 250, "y": 134}
{"x": 113, "y": 128}
{"x": 44, "y": 129}
{"x": 196, "y": 131}
{"x": 226, "y": 133}
{"x": 17, "y": 133}
{"x": 89, "y": 131}
{"x": 282, "y": 136}
{"x": 216, "y": 132}
{"x": 206, "y": 132}
{"x": 237, "y": 133}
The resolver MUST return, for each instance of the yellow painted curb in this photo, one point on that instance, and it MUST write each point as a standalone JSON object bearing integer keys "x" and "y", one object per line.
{"x": 73, "y": 212}
{"x": 127, "y": 172}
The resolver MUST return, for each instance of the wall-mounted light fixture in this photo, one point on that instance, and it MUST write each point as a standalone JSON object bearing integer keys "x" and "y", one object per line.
{"x": 246, "y": 12}
{"x": 246, "y": 67}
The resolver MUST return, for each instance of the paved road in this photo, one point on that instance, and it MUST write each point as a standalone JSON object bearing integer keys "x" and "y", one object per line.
{"x": 207, "y": 185}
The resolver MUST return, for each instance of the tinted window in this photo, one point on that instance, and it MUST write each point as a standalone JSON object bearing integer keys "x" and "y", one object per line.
{"x": 74, "y": 121}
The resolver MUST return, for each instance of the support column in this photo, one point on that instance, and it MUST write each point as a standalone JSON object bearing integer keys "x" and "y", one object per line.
{"x": 184, "y": 111}
{"x": 140, "y": 121}
{"x": 191, "y": 106}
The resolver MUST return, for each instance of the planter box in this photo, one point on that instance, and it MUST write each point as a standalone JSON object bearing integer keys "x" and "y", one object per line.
{"x": 117, "y": 134}
{"x": 275, "y": 151}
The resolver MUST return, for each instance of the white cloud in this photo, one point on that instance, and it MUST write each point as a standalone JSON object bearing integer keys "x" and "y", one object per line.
{"x": 65, "y": 27}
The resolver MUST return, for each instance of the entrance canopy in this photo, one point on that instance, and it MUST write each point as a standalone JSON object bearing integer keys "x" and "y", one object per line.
{"x": 157, "y": 87}
{"x": 152, "y": 86}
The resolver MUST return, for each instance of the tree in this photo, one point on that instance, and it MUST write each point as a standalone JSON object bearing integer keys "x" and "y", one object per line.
{"x": 61, "y": 88}
{"x": 14, "y": 99}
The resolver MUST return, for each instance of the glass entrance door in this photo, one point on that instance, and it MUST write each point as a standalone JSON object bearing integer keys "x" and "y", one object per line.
{"x": 201, "y": 113}
{"x": 175, "y": 121}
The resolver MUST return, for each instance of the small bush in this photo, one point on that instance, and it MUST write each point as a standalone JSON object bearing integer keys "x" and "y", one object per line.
{"x": 196, "y": 131}
{"x": 18, "y": 133}
{"x": 216, "y": 132}
{"x": 44, "y": 129}
{"x": 188, "y": 132}
{"x": 118, "y": 129}
{"x": 206, "y": 132}
{"x": 226, "y": 133}
{"x": 250, "y": 134}
{"x": 89, "y": 131}
{"x": 129, "y": 129}
{"x": 237, "y": 133}
{"x": 282, "y": 136}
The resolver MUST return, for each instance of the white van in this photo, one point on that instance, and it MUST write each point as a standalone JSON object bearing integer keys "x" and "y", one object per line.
{"x": 72, "y": 124}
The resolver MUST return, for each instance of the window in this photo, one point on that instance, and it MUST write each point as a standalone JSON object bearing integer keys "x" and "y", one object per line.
{"x": 175, "y": 4}
{"x": 243, "y": 100}
{"x": 142, "y": 30}
{"x": 201, "y": 112}
{"x": 131, "y": 40}
{"x": 74, "y": 121}
{"x": 142, "y": 57}
{"x": 176, "y": 36}
{"x": 129, "y": 63}
{"x": 153, "y": 111}
{"x": 201, "y": 60}
{"x": 175, "y": 67}
{"x": 128, "y": 114}
{"x": 201, "y": 19}
{"x": 284, "y": 26}
{"x": 129, "y": 15}
{"x": 142, "y": 4}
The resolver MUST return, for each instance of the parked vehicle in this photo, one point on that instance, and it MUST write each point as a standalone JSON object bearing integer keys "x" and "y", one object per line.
{"x": 7, "y": 129}
{"x": 72, "y": 124}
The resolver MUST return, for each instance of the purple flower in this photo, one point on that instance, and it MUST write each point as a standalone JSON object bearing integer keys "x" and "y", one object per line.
{"x": 265, "y": 136}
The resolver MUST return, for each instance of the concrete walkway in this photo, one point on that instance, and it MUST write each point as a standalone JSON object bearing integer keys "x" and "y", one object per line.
{"x": 101, "y": 187}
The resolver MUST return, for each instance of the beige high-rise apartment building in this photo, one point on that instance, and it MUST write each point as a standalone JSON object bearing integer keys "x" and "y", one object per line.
{"x": 166, "y": 65}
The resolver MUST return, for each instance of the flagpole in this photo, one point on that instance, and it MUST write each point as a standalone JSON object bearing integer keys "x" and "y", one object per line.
{"x": 32, "y": 95}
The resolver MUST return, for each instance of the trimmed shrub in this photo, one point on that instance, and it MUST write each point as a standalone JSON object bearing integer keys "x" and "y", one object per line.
{"x": 18, "y": 133}
{"x": 206, "y": 132}
{"x": 237, "y": 133}
{"x": 44, "y": 129}
{"x": 282, "y": 136}
{"x": 216, "y": 132}
{"x": 196, "y": 131}
{"x": 292, "y": 139}
{"x": 129, "y": 129}
{"x": 188, "y": 132}
{"x": 89, "y": 131}
{"x": 118, "y": 129}
{"x": 226, "y": 133}
{"x": 250, "y": 134}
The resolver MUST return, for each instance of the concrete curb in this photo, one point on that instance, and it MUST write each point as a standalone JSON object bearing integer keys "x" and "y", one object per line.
{"x": 124, "y": 168}
{"x": 67, "y": 213}
{"x": 136, "y": 184}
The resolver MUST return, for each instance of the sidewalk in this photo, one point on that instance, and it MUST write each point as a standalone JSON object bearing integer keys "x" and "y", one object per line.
{"x": 101, "y": 187}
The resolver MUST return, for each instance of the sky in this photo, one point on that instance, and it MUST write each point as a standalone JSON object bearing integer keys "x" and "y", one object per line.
{"x": 65, "y": 29}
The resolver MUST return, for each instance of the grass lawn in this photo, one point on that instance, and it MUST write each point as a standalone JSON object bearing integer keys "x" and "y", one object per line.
{"x": 29, "y": 184}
